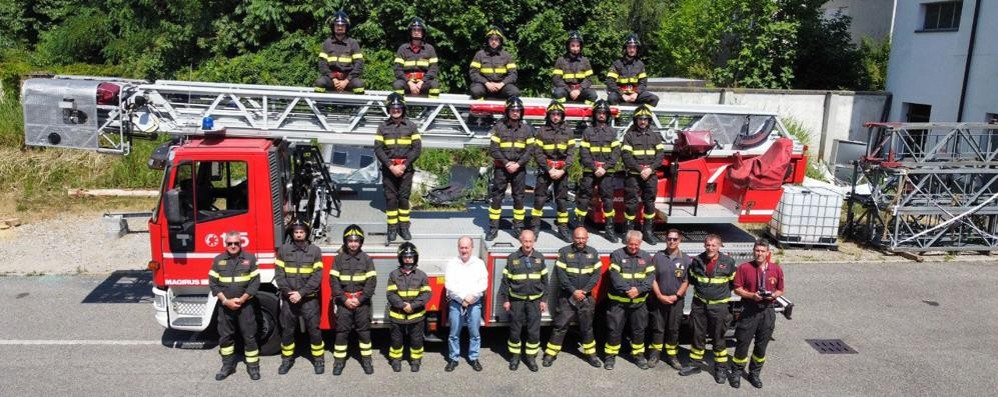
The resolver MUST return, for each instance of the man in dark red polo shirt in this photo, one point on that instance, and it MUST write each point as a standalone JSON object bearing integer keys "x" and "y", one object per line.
{"x": 759, "y": 283}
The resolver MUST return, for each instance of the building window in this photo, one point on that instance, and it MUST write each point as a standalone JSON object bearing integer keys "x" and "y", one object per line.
{"x": 942, "y": 16}
{"x": 915, "y": 142}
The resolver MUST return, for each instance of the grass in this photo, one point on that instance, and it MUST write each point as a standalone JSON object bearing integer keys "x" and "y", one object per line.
{"x": 803, "y": 135}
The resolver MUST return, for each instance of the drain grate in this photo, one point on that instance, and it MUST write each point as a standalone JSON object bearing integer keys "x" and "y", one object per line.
{"x": 830, "y": 346}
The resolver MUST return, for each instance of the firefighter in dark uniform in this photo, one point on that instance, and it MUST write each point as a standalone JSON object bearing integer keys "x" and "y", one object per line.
{"x": 397, "y": 145}
{"x": 298, "y": 274}
{"x": 521, "y": 293}
{"x": 493, "y": 70}
{"x": 642, "y": 151}
{"x": 416, "y": 64}
{"x": 235, "y": 280}
{"x": 408, "y": 292}
{"x": 352, "y": 280}
{"x": 599, "y": 152}
{"x": 341, "y": 62}
{"x": 578, "y": 269}
{"x": 572, "y": 74}
{"x": 711, "y": 274}
{"x": 554, "y": 152}
{"x": 631, "y": 276}
{"x": 759, "y": 283}
{"x": 511, "y": 148}
{"x": 627, "y": 82}
{"x": 667, "y": 302}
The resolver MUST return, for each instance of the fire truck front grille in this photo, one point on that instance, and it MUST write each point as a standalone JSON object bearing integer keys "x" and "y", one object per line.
{"x": 189, "y": 305}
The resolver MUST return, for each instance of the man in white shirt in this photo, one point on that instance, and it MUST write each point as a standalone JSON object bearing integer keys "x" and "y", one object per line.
{"x": 465, "y": 280}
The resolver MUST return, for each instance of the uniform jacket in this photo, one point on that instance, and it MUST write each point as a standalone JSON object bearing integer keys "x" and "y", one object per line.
{"x": 521, "y": 282}
{"x": 627, "y": 271}
{"x": 234, "y": 275}
{"x": 298, "y": 268}
{"x": 412, "y": 288}
{"x": 642, "y": 148}
{"x": 341, "y": 56}
{"x": 512, "y": 143}
{"x": 578, "y": 269}
{"x": 492, "y": 67}
{"x": 353, "y": 273}
{"x": 398, "y": 140}
{"x": 599, "y": 143}
{"x": 408, "y": 60}
{"x": 572, "y": 70}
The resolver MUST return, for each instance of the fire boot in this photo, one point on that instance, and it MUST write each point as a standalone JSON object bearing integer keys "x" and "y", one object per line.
{"x": 653, "y": 358}
{"x": 517, "y": 229}
{"x": 392, "y": 234}
{"x": 404, "y": 232}
{"x": 319, "y": 364}
{"x": 535, "y": 226}
{"x": 609, "y": 362}
{"x": 253, "y": 369}
{"x": 594, "y": 361}
{"x": 365, "y": 362}
{"x": 531, "y": 363}
{"x": 735, "y": 378}
{"x": 609, "y": 233}
{"x": 414, "y": 365}
{"x": 753, "y": 378}
{"x": 720, "y": 373}
{"x": 396, "y": 365}
{"x": 338, "y": 365}
{"x": 648, "y": 232}
{"x": 514, "y": 362}
{"x": 228, "y": 368}
{"x": 673, "y": 362}
{"x": 548, "y": 360}
{"x": 563, "y": 233}
{"x": 286, "y": 364}
{"x": 641, "y": 362}
{"x": 493, "y": 233}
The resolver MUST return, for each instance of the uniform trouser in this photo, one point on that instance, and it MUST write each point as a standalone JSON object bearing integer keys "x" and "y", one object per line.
{"x": 525, "y": 313}
{"x": 400, "y": 331}
{"x": 307, "y": 308}
{"x": 397, "y": 191}
{"x": 358, "y": 320}
{"x": 244, "y": 319}
{"x": 665, "y": 320}
{"x": 643, "y": 97}
{"x": 325, "y": 84}
{"x": 587, "y": 95}
{"x": 478, "y": 91}
{"x": 756, "y": 323}
{"x": 500, "y": 179}
{"x": 430, "y": 88}
{"x": 640, "y": 190}
{"x": 584, "y": 195}
{"x": 541, "y": 196}
{"x": 636, "y": 315}
{"x": 709, "y": 320}
{"x": 582, "y": 312}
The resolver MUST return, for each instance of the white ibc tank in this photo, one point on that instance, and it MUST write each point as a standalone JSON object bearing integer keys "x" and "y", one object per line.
{"x": 807, "y": 215}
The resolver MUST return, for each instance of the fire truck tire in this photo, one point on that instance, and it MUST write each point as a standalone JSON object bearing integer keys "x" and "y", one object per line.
{"x": 268, "y": 333}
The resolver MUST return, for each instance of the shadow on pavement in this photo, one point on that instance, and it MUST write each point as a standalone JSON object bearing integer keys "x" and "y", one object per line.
{"x": 123, "y": 286}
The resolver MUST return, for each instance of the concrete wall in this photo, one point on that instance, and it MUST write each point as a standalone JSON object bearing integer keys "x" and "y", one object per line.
{"x": 870, "y": 18}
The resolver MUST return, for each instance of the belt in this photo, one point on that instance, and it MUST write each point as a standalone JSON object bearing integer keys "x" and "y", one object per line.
{"x": 353, "y": 295}
{"x": 338, "y": 75}
{"x": 627, "y": 89}
{"x": 398, "y": 161}
{"x": 415, "y": 76}
{"x": 556, "y": 164}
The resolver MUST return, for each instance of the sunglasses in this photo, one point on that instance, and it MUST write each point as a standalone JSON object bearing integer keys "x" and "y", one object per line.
{"x": 673, "y": 238}
{"x": 231, "y": 243}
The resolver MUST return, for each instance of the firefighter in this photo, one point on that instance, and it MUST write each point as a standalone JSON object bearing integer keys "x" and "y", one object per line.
{"x": 578, "y": 269}
{"x": 408, "y": 292}
{"x": 711, "y": 273}
{"x": 235, "y": 280}
{"x": 631, "y": 274}
{"x": 554, "y": 152}
{"x": 416, "y": 64}
{"x": 493, "y": 70}
{"x": 642, "y": 151}
{"x": 667, "y": 303}
{"x": 758, "y": 283}
{"x": 397, "y": 145}
{"x": 627, "y": 82}
{"x": 599, "y": 152}
{"x": 341, "y": 62}
{"x": 571, "y": 74}
{"x": 511, "y": 149}
{"x": 352, "y": 280}
{"x": 298, "y": 274}
{"x": 521, "y": 293}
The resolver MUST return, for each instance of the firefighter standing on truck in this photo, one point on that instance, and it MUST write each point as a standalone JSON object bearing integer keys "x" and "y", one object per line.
{"x": 572, "y": 74}
{"x": 627, "y": 82}
{"x": 235, "y": 280}
{"x": 521, "y": 293}
{"x": 493, "y": 70}
{"x": 416, "y": 64}
{"x": 298, "y": 274}
{"x": 408, "y": 292}
{"x": 642, "y": 151}
{"x": 599, "y": 152}
{"x": 578, "y": 269}
{"x": 397, "y": 145}
{"x": 711, "y": 274}
{"x": 352, "y": 280}
{"x": 341, "y": 62}
{"x": 511, "y": 148}
{"x": 631, "y": 275}
{"x": 759, "y": 283}
{"x": 554, "y": 152}
{"x": 666, "y": 306}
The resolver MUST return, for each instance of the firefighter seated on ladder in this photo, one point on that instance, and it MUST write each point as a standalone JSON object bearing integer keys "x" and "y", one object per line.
{"x": 627, "y": 82}
{"x": 416, "y": 64}
{"x": 341, "y": 62}
{"x": 397, "y": 145}
{"x": 572, "y": 72}
{"x": 493, "y": 71}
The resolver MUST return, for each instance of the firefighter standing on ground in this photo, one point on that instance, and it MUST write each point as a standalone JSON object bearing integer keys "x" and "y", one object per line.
{"x": 397, "y": 145}
{"x": 521, "y": 293}
{"x": 298, "y": 274}
{"x": 341, "y": 62}
{"x": 493, "y": 70}
{"x": 711, "y": 273}
{"x": 599, "y": 152}
{"x": 642, "y": 151}
{"x": 572, "y": 74}
{"x": 554, "y": 152}
{"x": 631, "y": 276}
{"x": 578, "y": 269}
{"x": 235, "y": 280}
{"x": 416, "y": 64}
{"x": 627, "y": 82}
{"x": 352, "y": 280}
{"x": 408, "y": 292}
{"x": 511, "y": 148}
{"x": 666, "y": 305}
{"x": 759, "y": 283}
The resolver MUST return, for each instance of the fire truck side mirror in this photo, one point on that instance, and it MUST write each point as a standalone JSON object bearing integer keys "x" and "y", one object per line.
{"x": 171, "y": 207}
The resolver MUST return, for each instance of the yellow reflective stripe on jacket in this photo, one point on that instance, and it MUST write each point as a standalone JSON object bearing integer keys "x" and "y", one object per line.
{"x": 558, "y": 72}
{"x": 235, "y": 279}
{"x": 508, "y": 144}
{"x": 417, "y": 62}
{"x": 552, "y": 146}
{"x": 635, "y": 275}
{"x": 711, "y": 301}
{"x": 476, "y": 64}
{"x": 403, "y": 316}
{"x": 713, "y": 280}
{"x": 624, "y": 299}
{"x": 612, "y": 75}
{"x": 499, "y": 70}
{"x": 576, "y": 270}
{"x": 526, "y": 276}
{"x": 412, "y": 293}
{"x": 358, "y": 55}
{"x": 355, "y": 277}
{"x": 334, "y": 58}
{"x": 579, "y": 75}
{"x": 300, "y": 270}
{"x": 598, "y": 149}
{"x": 525, "y": 297}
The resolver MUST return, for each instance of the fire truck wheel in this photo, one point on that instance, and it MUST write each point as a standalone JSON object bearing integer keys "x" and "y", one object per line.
{"x": 268, "y": 333}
